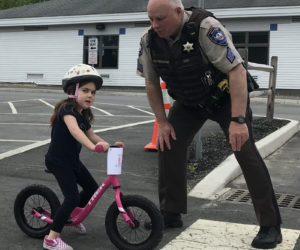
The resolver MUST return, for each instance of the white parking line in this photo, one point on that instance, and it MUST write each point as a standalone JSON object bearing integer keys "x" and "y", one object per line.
{"x": 123, "y": 126}
{"x": 21, "y": 100}
{"x": 32, "y": 114}
{"x": 103, "y": 111}
{"x": 95, "y": 115}
{"x": 47, "y": 103}
{"x": 12, "y": 107}
{"x": 23, "y": 149}
{"x": 210, "y": 235}
{"x": 26, "y": 124}
{"x": 42, "y": 143}
{"x": 147, "y": 112}
{"x": 7, "y": 140}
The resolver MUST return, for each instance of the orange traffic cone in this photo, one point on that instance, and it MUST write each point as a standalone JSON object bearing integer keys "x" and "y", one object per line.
{"x": 167, "y": 106}
{"x": 166, "y": 97}
{"x": 152, "y": 145}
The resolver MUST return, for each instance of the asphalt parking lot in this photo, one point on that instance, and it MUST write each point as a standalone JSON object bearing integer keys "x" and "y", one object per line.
{"x": 24, "y": 125}
{"x": 24, "y": 137}
{"x": 24, "y": 117}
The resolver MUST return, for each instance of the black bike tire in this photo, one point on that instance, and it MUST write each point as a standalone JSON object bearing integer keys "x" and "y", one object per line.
{"x": 21, "y": 198}
{"x": 142, "y": 203}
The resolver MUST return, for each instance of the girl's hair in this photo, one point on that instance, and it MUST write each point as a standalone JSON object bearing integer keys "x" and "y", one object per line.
{"x": 87, "y": 113}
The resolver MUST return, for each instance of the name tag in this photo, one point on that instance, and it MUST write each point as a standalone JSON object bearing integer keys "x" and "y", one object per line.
{"x": 161, "y": 61}
{"x": 114, "y": 161}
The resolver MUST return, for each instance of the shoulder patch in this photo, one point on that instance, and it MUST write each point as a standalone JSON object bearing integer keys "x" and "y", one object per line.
{"x": 141, "y": 49}
{"x": 217, "y": 36}
{"x": 140, "y": 67}
{"x": 230, "y": 55}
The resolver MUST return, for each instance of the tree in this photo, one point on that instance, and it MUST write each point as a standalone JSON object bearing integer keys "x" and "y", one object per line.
{"x": 6, "y": 4}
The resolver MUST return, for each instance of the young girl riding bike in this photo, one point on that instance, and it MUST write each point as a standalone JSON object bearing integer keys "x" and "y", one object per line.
{"x": 70, "y": 129}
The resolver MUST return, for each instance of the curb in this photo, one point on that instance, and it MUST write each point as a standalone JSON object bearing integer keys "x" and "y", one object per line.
{"x": 213, "y": 185}
{"x": 277, "y": 100}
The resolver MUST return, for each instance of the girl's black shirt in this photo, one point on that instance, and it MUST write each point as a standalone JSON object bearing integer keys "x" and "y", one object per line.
{"x": 64, "y": 149}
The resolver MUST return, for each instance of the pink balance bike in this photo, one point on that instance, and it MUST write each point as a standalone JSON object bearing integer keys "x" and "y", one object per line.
{"x": 132, "y": 221}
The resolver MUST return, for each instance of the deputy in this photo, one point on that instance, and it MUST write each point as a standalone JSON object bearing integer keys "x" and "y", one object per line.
{"x": 194, "y": 54}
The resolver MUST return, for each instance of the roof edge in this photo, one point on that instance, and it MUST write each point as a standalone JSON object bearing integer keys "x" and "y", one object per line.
{"x": 78, "y": 19}
{"x": 276, "y": 11}
{"x": 253, "y": 12}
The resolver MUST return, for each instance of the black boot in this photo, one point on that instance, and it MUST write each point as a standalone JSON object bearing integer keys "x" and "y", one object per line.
{"x": 171, "y": 219}
{"x": 267, "y": 237}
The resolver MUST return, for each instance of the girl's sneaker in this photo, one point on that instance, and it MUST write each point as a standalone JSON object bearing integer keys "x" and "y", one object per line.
{"x": 80, "y": 228}
{"x": 57, "y": 244}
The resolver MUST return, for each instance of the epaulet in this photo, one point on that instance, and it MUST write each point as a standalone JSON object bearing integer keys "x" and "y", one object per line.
{"x": 199, "y": 14}
{"x": 191, "y": 29}
{"x": 151, "y": 35}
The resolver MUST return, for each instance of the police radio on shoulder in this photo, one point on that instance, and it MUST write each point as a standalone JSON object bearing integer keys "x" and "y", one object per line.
{"x": 239, "y": 119}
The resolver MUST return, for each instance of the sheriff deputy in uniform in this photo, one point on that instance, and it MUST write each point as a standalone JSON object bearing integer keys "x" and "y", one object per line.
{"x": 194, "y": 54}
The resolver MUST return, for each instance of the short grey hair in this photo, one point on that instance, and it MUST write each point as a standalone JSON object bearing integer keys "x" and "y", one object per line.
{"x": 176, "y": 3}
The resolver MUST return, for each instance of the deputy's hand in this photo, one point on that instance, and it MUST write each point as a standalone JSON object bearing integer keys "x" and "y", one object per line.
{"x": 238, "y": 135}
{"x": 164, "y": 131}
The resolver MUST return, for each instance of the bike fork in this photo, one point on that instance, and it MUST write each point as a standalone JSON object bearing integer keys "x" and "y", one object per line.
{"x": 126, "y": 214}
{"x": 41, "y": 216}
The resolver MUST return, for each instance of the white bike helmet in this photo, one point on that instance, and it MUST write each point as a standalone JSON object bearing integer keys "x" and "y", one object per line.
{"x": 81, "y": 73}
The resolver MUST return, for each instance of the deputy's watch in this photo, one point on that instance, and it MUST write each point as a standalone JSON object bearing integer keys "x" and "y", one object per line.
{"x": 239, "y": 119}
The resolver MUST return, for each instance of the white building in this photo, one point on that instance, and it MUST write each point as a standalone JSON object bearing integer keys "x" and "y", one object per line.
{"x": 39, "y": 42}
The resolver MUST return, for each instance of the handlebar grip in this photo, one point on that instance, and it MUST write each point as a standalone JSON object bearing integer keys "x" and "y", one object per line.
{"x": 99, "y": 148}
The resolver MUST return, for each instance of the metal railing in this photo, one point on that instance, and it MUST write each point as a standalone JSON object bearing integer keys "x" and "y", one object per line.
{"x": 272, "y": 83}
{"x": 195, "y": 149}
{"x": 272, "y": 69}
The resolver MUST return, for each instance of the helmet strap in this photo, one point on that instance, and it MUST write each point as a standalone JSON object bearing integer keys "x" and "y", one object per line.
{"x": 76, "y": 92}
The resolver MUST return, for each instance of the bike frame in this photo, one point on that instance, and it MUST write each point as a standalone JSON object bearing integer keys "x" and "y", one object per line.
{"x": 79, "y": 214}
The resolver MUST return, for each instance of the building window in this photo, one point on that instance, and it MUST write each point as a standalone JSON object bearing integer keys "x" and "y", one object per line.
{"x": 257, "y": 44}
{"x": 101, "y": 51}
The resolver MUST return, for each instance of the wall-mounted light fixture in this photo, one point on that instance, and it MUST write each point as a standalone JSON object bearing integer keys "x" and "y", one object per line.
{"x": 100, "y": 26}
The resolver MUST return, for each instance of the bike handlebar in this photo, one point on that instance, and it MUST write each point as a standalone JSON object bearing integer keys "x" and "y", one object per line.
{"x": 99, "y": 148}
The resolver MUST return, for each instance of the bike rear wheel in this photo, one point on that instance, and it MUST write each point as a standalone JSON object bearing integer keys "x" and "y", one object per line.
{"x": 148, "y": 229}
{"x": 40, "y": 198}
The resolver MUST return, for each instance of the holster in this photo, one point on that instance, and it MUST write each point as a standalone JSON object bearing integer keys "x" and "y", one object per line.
{"x": 251, "y": 83}
{"x": 218, "y": 97}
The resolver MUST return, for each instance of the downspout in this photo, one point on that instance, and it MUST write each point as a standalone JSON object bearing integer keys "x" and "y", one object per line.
{"x": 201, "y": 3}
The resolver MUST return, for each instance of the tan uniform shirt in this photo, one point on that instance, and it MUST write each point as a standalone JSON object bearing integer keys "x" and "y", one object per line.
{"x": 214, "y": 39}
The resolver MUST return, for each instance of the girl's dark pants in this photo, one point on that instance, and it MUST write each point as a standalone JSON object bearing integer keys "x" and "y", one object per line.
{"x": 68, "y": 178}
{"x": 172, "y": 163}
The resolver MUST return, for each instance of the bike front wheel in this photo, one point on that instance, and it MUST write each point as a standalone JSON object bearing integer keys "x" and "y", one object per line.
{"x": 148, "y": 229}
{"x": 44, "y": 201}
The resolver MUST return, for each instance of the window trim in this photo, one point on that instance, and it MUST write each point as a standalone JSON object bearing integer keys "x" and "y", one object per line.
{"x": 100, "y": 49}
{"x": 248, "y": 45}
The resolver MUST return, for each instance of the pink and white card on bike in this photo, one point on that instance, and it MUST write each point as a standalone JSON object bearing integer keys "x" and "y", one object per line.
{"x": 114, "y": 161}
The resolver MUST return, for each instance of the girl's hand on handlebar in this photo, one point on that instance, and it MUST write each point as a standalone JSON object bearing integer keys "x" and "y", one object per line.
{"x": 102, "y": 146}
{"x": 120, "y": 144}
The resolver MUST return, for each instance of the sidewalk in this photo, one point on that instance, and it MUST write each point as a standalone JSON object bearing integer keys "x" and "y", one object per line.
{"x": 281, "y": 152}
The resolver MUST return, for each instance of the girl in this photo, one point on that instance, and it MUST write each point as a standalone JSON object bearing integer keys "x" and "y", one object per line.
{"x": 70, "y": 129}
